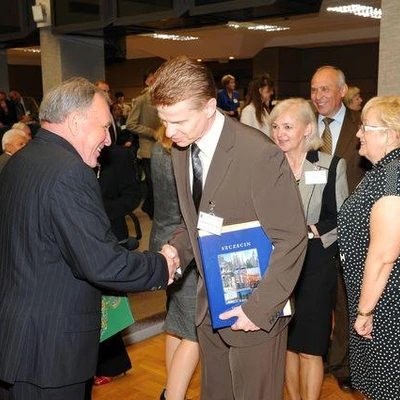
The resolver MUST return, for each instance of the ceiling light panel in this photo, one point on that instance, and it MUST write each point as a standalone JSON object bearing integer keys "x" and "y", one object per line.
{"x": 359, "y": 10}
{"x": 256, "y": 27}
{"x": 166, "y": 36}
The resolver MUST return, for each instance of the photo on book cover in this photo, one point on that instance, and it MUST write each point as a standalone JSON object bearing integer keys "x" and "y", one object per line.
{"x": 240, "y": 274}
{"x": 234, "y": 263}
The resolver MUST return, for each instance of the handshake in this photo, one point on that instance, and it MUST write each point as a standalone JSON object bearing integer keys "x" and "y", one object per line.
{"x": 171, "y": 255}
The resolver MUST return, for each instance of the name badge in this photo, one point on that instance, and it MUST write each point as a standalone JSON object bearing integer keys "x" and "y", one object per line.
{"x": 316, "y": 177}
{"x": 123, "y": 127}
{"x": 235, "y": 101}
{"x": 210, "y": 223}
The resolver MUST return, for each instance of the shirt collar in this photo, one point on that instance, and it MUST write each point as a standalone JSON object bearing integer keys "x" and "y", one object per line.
{"x": 338, "y": 117}
{"x": 208, "y": 143}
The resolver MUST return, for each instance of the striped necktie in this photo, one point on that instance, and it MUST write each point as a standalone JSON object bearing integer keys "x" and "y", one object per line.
{"x": 197, "y": 187}
{"x": 327, "y": 136}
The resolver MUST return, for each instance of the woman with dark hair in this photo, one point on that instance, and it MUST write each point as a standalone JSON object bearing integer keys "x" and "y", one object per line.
{"x": 255, "y": 111}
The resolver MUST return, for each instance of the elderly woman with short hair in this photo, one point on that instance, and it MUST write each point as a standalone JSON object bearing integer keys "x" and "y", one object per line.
{"x": 369, "y": 240}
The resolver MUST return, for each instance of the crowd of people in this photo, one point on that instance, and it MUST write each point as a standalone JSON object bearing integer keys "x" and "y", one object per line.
{"x": 320, "y": 175}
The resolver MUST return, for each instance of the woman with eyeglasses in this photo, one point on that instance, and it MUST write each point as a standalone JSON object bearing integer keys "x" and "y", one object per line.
{"x": 369, "y": 241}
{"x": 323, "y": 188}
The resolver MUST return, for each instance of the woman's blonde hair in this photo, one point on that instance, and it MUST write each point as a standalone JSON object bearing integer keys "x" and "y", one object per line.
{"x": 303, "y": 110}
{"x": 387, "y": 109}
{"x": 351, "y": 93}
{"x": 162, "y": 138}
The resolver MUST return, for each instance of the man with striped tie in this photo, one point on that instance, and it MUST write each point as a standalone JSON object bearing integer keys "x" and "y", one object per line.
{"x": 338, "y": 126}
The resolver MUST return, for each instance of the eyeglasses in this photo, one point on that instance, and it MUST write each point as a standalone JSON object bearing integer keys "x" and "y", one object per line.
{"x": 369, "y": 128}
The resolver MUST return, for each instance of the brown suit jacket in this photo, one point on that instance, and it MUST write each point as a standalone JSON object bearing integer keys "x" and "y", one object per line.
{"x": 347, "y": 148}
{"x": 249, "y": 179}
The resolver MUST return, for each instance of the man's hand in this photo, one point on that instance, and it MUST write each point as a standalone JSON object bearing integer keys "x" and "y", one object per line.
{"x": 243, "y": 323}
{"x": 171, "y": 255}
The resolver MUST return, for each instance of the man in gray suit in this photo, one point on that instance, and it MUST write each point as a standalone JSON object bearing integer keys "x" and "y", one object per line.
{"x": 58, "y": 251}
{"x": 328, "y": 88}
{"x": 245, "y": 177}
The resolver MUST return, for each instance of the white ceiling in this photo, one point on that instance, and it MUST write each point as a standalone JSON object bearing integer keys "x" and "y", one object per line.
{"x": 221, "y": 42}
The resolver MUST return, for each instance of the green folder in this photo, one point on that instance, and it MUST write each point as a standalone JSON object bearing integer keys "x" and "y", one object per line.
{"x": 116, "y": 315}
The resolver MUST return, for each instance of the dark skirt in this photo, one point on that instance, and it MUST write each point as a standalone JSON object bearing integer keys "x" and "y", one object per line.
{"x": 181, "y": 305}
{"x": 315, "y": 297}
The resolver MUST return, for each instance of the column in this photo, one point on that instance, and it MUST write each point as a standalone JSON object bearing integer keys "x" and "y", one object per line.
{"x": 65, "y": 56}
{"x": 389, "y": 49}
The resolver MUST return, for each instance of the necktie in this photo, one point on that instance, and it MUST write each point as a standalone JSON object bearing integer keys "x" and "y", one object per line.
{"x": 327, "y": 136}
{"x": 197, "y": 187}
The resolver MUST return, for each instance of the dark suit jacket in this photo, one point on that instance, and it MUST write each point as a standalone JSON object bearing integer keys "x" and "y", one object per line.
{"x": 249, "y": 179}
{"x": 57, "y": 254}
{"x": 10, "y": 117}
{"x": 347, "y": 148}
{"x": 120, "y": 190}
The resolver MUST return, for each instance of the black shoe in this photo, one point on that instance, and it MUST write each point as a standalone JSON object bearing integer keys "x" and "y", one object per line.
{"x": 345, "y": 384}
{"x": 162, "y": 396}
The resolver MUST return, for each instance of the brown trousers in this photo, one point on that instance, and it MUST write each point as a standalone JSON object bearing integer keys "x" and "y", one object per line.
{"x": 241, "y": 373}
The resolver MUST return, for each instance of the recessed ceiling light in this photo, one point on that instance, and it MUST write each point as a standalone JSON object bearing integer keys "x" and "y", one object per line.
{"x": 256, "y": 27}
{"x": 359, "y": 10}
{"x": 166, "y": 36}
{"x": 231, "y": 57}
{"x": 27, "y": 49}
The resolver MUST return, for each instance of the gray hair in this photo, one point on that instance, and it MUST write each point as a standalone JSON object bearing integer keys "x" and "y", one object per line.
{"x": 341, "y": 78}
{"x": 302, "y": 108}
{"x": 9, "y": 136}
{"x": 75, "y": 94}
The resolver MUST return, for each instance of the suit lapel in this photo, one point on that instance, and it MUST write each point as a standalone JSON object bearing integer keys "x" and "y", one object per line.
{"x": 345, "y": 140}
{"x": 219, "y": 164}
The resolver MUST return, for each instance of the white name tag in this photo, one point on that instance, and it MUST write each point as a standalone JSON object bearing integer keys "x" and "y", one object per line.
{"x": 316, "y": 177}
{"x": 210, "y": 223}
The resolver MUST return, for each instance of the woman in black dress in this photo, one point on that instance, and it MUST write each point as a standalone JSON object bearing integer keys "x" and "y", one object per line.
{"x": 323, "y": 187}
{"x": 369, "y": 241}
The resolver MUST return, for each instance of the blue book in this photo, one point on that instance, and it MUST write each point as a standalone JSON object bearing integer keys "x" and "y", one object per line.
{"x": 233, "y": 264}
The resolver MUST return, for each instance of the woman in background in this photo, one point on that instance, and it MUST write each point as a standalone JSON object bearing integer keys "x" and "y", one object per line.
{"x": 255, "y": 111}
{"x": 182, "y": 348}
{"x": 228, "y": 98}
{"x": 323, "y": 188}
{"x": 353, "y": 98}
{"x": 369, "y": 241}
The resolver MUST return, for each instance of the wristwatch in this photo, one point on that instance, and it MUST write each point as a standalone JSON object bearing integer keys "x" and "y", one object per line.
{"x": 311, "y": 234}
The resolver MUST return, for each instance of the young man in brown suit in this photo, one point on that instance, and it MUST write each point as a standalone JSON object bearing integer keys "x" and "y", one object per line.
{"x": 245, "y": 177}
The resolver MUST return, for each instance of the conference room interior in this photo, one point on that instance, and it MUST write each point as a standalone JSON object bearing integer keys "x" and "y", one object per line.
{"x": 290, "y": 56}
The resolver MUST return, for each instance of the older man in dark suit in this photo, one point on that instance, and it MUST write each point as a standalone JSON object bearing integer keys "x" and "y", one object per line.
{"x": 244, "y": 177}
{"x": 338, "y": 126}
{"x": 58, "y": 251}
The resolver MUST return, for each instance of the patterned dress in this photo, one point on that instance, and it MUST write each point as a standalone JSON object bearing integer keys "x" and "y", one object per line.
{"x": 374, "y": 364}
